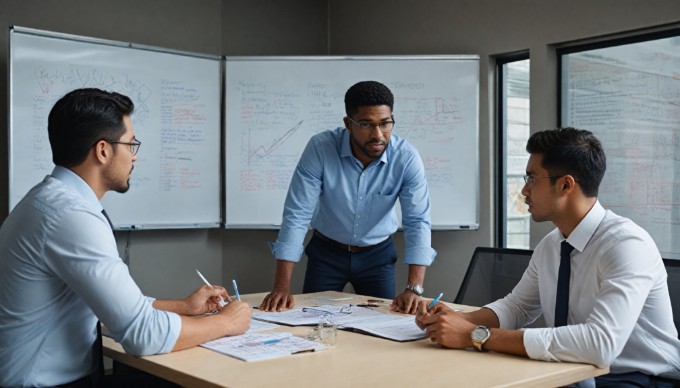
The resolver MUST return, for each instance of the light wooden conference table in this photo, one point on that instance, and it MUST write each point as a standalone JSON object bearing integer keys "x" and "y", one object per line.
{"x": 356, "y": 360}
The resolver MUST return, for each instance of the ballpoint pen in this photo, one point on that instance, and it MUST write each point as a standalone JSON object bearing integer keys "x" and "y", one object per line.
{"x": 434, "y": 301}
{"x": 222, "y": 303}
{"x": 233, "y": 283}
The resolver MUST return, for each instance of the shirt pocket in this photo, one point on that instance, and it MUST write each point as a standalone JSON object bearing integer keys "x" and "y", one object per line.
{"x": 381, "y": 205}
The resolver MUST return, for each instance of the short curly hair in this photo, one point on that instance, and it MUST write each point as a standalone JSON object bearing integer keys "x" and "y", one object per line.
{"x": 367, "y": 93}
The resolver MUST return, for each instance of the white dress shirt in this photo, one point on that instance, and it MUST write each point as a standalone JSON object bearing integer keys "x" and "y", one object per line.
{"x": 59, "y": 272}
{"x": 619, "y": 307}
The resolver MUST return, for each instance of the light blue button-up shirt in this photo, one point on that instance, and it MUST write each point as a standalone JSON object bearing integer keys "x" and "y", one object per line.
{"x": 59, "y": 272}
{"x": 355, "y": 205}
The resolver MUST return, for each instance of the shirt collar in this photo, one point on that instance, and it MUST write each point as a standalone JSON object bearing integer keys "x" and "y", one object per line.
{"x": 346, "y": 150}
{"x": 586, "y": 228}
{"x": 75, "y": 182}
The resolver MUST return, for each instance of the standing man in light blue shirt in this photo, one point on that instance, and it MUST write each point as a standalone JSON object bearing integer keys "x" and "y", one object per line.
{"x": 59, "y": 266}
{"x": 346, "y": 185}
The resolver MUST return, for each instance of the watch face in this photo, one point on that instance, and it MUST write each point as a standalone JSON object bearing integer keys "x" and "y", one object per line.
{"x": 417, "y": 288}
{"x": 480, "y": 334}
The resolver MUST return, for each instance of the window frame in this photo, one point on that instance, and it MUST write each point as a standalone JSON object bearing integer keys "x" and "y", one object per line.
{"x": 501, "y": 148}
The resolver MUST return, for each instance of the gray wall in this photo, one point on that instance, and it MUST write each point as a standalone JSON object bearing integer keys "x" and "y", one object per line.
{"x": 163, "y": 262}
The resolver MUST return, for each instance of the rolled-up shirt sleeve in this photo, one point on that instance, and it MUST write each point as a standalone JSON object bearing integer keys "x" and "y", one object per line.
{"x": 91, "y": 267}
{"x": 414, "y": 198}
{"x": 301, "y": 201}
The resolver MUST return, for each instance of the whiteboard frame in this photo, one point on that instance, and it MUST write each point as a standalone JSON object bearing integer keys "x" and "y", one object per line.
{"x": 473, "y": 226}
{"x": 84, "y": 39}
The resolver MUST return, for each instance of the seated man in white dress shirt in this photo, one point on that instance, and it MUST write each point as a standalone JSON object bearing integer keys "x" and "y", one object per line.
{"x": 606, "y": 270}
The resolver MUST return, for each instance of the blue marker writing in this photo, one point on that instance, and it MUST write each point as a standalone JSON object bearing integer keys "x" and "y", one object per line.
{"x": 267, "y": 342}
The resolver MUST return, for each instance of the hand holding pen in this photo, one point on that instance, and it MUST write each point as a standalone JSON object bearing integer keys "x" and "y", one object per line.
{"x": 221, "y": 302}
{"x": 435, "y": 301}
{"x": 424, "y": 310}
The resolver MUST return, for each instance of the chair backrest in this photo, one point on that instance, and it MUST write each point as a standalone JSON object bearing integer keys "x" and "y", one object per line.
{"x": 492, "y": 274}
{"x": 673, "y": 270}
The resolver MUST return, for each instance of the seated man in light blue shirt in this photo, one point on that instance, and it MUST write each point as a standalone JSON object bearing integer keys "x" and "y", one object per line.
{"x": 59, "y": 266}
{"x": 597, "y": 278}
{"x": 346, "y": 185}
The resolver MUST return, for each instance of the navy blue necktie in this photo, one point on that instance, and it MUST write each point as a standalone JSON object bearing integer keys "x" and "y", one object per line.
{"x": 562, "y": 300}
{"x": 107, "y": 218}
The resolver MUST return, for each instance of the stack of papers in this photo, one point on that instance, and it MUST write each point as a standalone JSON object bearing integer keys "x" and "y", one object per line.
{"x": 262, "y": 346}
{"x": 390, "y": 326}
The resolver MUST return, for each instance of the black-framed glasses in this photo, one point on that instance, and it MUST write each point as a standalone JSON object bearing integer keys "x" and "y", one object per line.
{"x": 345, "y": 309}
{"x": 530, "y": 179}
{"x": 384, "y": 126}
{"x": 134, "y": 145}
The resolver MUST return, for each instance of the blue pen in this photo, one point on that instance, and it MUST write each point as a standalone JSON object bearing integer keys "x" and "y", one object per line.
{"x": 434, "y": 301}
{"x": 233, "y": 283}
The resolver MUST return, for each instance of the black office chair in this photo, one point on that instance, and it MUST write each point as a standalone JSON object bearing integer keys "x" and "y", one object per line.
{"x": 492, "y": 274}
{"x": 673, "y": 270}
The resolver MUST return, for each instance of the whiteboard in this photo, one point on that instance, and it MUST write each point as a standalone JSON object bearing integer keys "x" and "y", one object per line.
{"x": 275, "y": 104}
{"x": 629, "y": 96}
{"x": 176, "y": 180}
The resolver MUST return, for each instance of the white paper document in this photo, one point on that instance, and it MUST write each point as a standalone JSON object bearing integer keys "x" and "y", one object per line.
{"x": 362, "y": 319}
{"x": 309, "y": 315}
{"x": 395, "y": 327}
{"x": 256, "y": 325}
{"x": 262, "y": 346}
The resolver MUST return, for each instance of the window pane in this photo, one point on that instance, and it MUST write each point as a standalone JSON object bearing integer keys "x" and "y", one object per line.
{"x": 516, "y": 131}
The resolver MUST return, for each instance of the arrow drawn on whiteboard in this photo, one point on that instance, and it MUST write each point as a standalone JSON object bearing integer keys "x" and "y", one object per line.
{"x": 261, "y": 152}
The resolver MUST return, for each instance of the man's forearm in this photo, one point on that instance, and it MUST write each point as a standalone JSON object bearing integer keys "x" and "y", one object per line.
{"x": 284, "y": 272}
{"x": 174, "y": 306}
{"x": 484, "y": 317}
{"x": 416, "y": 274}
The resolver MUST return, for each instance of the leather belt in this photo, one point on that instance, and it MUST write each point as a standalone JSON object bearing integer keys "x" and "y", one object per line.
{"x": 344, "y": 247}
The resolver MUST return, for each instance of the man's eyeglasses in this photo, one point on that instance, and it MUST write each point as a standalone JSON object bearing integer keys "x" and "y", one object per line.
{"x": 134, "y": 146}
{"x": 345, "y": 309}
{"x": 383, "y": 126}
{"x": 530, "y": 179}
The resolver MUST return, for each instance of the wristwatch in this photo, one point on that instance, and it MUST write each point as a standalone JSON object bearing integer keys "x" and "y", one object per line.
{"x": 479, "y": 336}
{"x": 415, "y": 288}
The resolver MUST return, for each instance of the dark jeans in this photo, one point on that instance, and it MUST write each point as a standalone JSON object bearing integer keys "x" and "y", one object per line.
{"x": 330, "y": 268}
{"x": 633, "y": 379}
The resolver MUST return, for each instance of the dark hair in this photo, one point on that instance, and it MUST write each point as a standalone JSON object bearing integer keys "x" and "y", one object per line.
{"x": 367, "y": 93}
{"x": 571, "y": 151}
{"x": 83, "y": 117}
